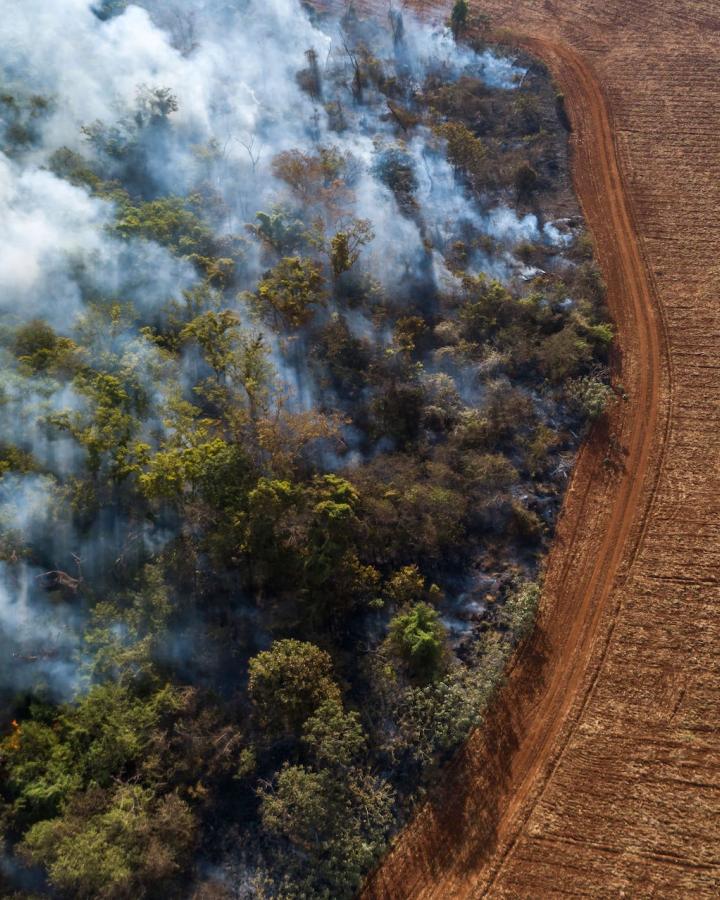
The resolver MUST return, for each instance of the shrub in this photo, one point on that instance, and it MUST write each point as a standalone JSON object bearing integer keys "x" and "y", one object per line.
{"x": 520, "y": 610}
{"x": 590, "y": 396}
{"x": 526, "y": 181}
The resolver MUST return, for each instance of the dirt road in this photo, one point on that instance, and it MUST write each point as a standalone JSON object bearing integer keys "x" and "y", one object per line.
{"x": 598, "y": 772}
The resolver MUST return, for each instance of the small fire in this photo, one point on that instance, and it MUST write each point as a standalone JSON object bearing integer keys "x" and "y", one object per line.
{"x": 13, "y": 741}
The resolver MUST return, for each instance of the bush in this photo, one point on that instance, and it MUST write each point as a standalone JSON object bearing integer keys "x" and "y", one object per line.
{"x": 433, "y": 719}
{"x": 526, "y": 181}
{"x": 520, "y": 610}
{"x": 590, "y": 396}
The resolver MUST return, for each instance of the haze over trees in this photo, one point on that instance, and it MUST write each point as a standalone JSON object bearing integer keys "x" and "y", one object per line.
{"x": 301, "y": 334}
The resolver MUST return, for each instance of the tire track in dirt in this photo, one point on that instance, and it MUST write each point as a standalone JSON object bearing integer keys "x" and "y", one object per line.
{"x": 458, "y": 844}
{"x": 636, "y": 491}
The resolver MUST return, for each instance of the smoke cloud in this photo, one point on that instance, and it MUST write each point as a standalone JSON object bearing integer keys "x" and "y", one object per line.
{"x": 233, "y": 69}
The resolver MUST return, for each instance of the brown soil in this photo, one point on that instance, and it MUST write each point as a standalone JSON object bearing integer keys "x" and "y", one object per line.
{"x": 597, "y": 772}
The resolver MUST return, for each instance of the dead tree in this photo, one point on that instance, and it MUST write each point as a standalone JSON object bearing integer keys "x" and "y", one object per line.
{"x": 57, "y": 580}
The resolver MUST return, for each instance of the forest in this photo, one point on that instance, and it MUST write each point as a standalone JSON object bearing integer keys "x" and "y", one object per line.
{"x": 301, "y": 334}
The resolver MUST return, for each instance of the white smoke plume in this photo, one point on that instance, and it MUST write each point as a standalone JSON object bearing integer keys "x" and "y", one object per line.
{"x": 232, "y": 67}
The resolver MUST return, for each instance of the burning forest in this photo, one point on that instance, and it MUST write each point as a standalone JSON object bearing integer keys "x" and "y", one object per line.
{"x": 301, "y": 334}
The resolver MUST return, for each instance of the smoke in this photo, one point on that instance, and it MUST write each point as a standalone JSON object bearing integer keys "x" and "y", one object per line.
{"x": 47, "y": 227}
{"x": 237, "y": 102}
{"x": 40, "y": 639}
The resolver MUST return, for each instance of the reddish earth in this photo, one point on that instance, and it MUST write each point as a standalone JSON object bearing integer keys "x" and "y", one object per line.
{"x": 597, "y": 772}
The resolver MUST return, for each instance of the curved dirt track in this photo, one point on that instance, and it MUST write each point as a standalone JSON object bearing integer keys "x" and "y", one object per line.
{"x": 598, "y": 771}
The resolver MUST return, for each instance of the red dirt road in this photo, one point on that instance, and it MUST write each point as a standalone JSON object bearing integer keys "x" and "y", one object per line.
{"x": 598, "y": 771}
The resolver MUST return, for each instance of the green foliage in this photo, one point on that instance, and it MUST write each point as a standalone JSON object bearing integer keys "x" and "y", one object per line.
{"x": 202, "y": 470}
{"x": 564, "y": 353}
{"x": 73, "y": 167}
{"x": 405, "y": 586}
{"x": 465, "y": 151}
{"x": 87, "y": 746}
{"x": 123, "y": 637}
{"x": 176, "y": 223}
{"x": 418, "y": 638}
{"x": 288, "y": 683}
{"x": 170, "y": 221}
{"x": 298, "y": 807}
{"x": 459, "y": 18}
{"x": 111, "y": 845}
{"x": 338, "y": 825}
{"x": 107, "y": 429}
{"x": 278, "y": 231}
{"x": 334, "y": 737}
{"x": 37, "y": 347}
{"x": 239, "y": 360}
{"x": 487, "y": 308}
{"x": 434, "y": 718}
{"x": 590, "y": 396}
{"x": 520, "y": 610}
{"x": 346, "y": 245}
{"x": 290, "y": 293}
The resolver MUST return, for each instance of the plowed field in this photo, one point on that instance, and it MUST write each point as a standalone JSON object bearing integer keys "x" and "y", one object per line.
{"x": 598, "y": 771}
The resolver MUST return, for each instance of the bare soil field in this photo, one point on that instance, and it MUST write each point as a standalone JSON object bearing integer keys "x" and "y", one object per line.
{"x": 598, "y": 771}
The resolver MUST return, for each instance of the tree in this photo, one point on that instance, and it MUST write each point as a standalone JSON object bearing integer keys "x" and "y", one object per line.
{"x": 317, "y": 180}
{"x": 394, "y": 167}
{"x": 334, "y": 737}
{"x": 418, "y": 638}
{"x": 279, "y": 232}
{"x": 346, "y": 245}
{"x": 179, "y": 224}
{"x": 35, "y": 344}
{"x": 458, "y": 18}
{"x": 290, "y": 292}
{"x": 564, "y": 354}
{"x": 297, "y": 807}
{"x": 106, "y": 429}
{"x": 405, "y": 586}
{"x": 434, "y": 718}
{"x": 466, "y": 153}
{"x": 209, "y": 470}
{"x": 114, "y": 845}
{"x": 239, "y": 360}
{"x": 288, "y": 683}
{"x": 309, "y": 78}
{"x": 336, "y": 824}
{"x": 488, "y": 306}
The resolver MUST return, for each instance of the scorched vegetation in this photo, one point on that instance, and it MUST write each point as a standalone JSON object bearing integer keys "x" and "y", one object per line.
{"x": 301, "y": 332}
